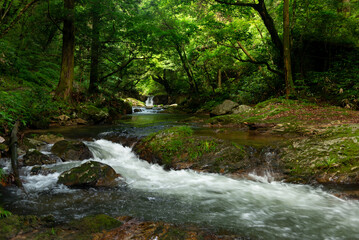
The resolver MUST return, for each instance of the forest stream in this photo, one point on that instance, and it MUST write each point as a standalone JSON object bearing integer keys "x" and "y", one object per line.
{"x": 258, "y": 208}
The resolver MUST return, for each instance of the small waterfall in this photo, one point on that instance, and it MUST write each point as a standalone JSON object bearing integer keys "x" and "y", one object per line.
{"x": 149, "y": 101}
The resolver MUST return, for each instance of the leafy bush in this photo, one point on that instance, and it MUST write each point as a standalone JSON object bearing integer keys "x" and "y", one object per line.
{"x": 27, "y": 106}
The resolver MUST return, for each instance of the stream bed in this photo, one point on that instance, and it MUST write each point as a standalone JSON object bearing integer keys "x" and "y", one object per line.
{"x": 258, "y": 209}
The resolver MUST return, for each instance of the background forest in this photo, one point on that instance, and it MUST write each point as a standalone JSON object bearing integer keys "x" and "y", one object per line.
{"x": 57, "y": 55}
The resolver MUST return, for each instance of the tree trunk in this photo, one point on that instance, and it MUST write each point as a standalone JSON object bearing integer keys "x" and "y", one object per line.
{"x": 193, "y": 85}
{"x": 64, "y": 88}
{"x": 14, "y": 160}
{"x": 219, "y": 78}
{"x": 163, "y": 81}
{"x": 95, "y": 48}
{"x": 269, "y": 23}
{"x": 289, "y": 86}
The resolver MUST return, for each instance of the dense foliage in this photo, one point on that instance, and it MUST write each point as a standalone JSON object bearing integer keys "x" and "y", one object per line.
{"x": 206, "y": 51}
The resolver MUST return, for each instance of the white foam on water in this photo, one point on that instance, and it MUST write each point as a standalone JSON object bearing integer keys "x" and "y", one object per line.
{"x": 275, "y": 209}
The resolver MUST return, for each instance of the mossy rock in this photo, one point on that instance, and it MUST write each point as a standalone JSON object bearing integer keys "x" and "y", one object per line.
{"x": 49, "y": 138}
{"x": 14, "y": 224}
{"x": 30, "y": 143}
{"x": 94, "y": 114}
{"x": 135, "y": 103}
{"x": 35, "y": 157}
{"x": 331, "y": 156}
{"x": 89, "y": 174}
{"x": 71, "y": 150}
{"x": 177, "y": 148}
{"x": 94, "y": 224}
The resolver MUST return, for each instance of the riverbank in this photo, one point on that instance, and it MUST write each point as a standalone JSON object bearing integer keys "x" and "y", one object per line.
{"x": 320, "y": 146}
{"x": 100, "y": 227}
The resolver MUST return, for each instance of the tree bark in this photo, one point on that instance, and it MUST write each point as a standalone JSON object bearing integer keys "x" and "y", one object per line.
{"x": 193, "y": 85}
{"x": 95, "y": 48}
{"x": 289, "y": 86}
{"x": 219, "y": 78}
{"x": 14, "y": 160}
{"x": 64, "y": 88}
{"x": 164, "y": 82}
{"x": 266, "y": 18}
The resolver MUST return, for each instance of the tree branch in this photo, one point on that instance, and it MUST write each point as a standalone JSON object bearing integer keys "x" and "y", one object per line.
{"x": 260, "y": 63}
{"x": 119, "y": 69}
{"x": 52, "y": 20}
{"x": 252, "y": 5}
{"x": 19, "y": 15}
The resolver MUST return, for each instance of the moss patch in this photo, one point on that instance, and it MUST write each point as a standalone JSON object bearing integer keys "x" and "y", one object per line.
{"x": 290, "y": 116}
{"x": 93, "y": 224}
{"x": 177, "y": 148}
{"x": 331, "y": 156}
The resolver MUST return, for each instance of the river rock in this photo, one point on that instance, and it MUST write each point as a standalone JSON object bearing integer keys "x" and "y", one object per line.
{"x": 224, "y": 108}
{"x": 37, "y": 170}
{"x": 30, "y": 143}
{"x": 241, "y": 109}
{"x": 71, "y": 150}
{"x": 135, "y": 103}
{"x": 49, "y": 138}
{"x": 35, "y": 157}
{"x": 89, "y": 174}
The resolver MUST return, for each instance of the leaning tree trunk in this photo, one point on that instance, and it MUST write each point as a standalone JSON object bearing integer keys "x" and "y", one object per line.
{"x": 14, "y": 160}
{"x": 286, "y": 50}
{"x": 64, "y": 88}
{"x": 95, "y": 49}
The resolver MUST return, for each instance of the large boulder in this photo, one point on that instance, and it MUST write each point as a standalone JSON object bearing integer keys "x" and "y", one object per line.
{"x": 35, "y": 157}
{"x": 224, "y": 108}
{"x": 71, "y": 150}
{"x": 241, "y": 109}
{"x": 89, "y": 174}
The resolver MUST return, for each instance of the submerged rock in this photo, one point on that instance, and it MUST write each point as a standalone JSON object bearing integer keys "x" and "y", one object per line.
{"x": 89, "y": 174}
{"x": 71, "y": 150}
{"x": 35, "y": 157}
{"x": 49, "y": 138}
{"x": 224, "y": 108}
{"x": 37, "y": 170}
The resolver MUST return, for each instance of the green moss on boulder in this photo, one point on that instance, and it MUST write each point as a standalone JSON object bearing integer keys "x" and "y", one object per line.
{"x": 178, "y": 148}
{"x": 14, "y": 224}
{"x": 71, "y": 150}
{"x": 94, "y": 224}
{"x": 331, "y": 156}
{"x": 35, "y": 157}
{"x": 89, "y": 174}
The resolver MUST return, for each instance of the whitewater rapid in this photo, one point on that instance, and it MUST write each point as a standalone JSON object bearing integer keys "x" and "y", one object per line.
{"x": 261, "y": 209}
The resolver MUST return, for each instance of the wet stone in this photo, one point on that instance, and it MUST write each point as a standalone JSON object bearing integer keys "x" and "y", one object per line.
{"x": 71, "y": 150}
{"x": 89, "y": 174}
{"x": 35, "y": 157}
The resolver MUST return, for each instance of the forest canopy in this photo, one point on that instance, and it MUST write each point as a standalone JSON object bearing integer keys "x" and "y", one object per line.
{"x": 59, "y": 52}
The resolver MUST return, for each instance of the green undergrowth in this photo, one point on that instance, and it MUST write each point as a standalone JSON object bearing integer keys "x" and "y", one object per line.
{"x": 329, "y": 156}
{"x": 294, "y": 115}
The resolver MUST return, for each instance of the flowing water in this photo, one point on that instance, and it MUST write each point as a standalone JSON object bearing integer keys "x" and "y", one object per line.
{"x": 257, "y": 209}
